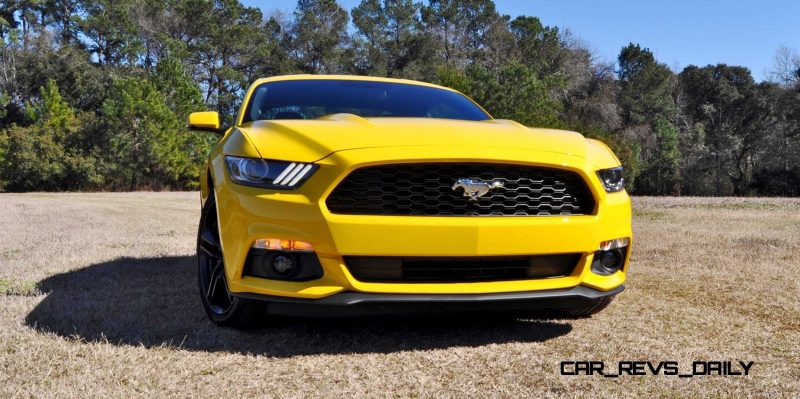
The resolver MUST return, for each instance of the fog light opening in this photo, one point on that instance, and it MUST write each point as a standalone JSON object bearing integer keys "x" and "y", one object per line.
{"x": 284, "y": 260}
{"x": 611, "y": 261}
{"x": 610, "y": 258}
{"x": 284, "y": 265}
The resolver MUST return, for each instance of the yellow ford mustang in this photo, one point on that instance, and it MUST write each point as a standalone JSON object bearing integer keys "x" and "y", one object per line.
{"x": 343, "y": 195}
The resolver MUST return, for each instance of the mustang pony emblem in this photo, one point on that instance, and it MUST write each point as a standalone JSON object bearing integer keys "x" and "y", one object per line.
{"x": 475, "y": 188}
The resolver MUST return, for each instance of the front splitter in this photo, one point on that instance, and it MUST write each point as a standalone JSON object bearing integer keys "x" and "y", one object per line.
{"x": 359, "y": 304}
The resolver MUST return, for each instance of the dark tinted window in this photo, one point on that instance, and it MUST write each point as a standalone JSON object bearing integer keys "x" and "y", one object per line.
{"x": 310, "y": 99}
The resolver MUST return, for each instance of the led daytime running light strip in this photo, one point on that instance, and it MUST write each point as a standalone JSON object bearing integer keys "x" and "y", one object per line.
{"x": 292, "y": 174}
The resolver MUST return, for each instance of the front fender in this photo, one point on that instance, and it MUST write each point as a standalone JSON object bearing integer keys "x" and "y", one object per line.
{"x": 234, "y": 142}
{"x": 599, "y": 155}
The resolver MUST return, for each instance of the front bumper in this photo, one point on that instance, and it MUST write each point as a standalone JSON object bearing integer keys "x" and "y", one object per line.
{"x": 246, "y": 214}
{"x": 359, "y": 304}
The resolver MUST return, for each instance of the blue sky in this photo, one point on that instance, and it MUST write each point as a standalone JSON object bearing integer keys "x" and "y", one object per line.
{"x": 679, "y": 32}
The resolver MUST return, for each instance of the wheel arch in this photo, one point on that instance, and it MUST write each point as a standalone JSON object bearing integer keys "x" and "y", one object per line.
{"x": 206, "y": 185}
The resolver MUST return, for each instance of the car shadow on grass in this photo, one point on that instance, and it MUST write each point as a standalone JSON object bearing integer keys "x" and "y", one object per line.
{"x": 154, "y": 302}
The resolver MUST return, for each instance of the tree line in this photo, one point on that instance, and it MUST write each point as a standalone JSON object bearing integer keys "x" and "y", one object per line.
{"x": 94, "y": 93}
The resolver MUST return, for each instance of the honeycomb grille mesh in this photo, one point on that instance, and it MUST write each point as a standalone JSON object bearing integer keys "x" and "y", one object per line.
{"x": 427, "y": 190}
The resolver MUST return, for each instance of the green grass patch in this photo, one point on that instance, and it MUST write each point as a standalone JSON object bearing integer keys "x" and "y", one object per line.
{"x": 738, "y": 206}
{"x": 650, "y": 215}
{"x": 18, "y": 288}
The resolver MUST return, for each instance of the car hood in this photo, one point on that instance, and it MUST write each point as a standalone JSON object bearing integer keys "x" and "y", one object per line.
{"x": 312, "y": 140}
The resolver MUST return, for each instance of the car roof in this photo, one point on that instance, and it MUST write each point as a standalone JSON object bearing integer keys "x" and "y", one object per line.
{"x": 347, "y": 77}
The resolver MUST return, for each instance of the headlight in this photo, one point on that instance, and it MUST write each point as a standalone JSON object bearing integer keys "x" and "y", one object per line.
{"x": 262, "y": 173}
{"x": 612, "y": 179}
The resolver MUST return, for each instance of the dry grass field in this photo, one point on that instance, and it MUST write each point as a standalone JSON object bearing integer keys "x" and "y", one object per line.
{"x": 97, "y": 299}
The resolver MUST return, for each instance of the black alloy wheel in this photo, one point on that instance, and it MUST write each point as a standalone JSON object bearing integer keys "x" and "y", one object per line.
{"x": 222, "y": 308}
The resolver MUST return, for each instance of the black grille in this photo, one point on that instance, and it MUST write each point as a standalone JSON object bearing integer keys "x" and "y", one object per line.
{"x": 455, "y": 269}
{"x": 427, "y": 189}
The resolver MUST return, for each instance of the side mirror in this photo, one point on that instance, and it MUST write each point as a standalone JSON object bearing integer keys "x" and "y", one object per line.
{"x": 207, "y": 121}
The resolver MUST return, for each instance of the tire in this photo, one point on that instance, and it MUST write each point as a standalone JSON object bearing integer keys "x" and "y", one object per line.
{"x": 222, "y": 308}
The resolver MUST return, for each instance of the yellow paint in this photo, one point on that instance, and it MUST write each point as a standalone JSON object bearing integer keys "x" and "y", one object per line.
{"x": 204, "y": 120}
{"x": 340, "y": 144}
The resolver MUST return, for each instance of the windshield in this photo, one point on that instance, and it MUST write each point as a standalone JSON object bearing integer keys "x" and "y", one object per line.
{"x": 310, "y": 99}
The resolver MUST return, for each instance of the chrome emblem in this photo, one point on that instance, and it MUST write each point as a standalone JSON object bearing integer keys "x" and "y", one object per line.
{"x": 475, "y": 188}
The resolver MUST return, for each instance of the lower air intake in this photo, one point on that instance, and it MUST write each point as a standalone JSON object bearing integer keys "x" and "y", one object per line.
{"x": 459, "y": 269}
